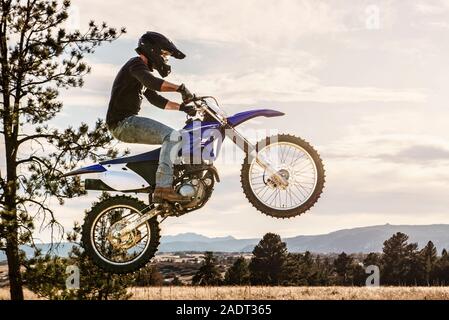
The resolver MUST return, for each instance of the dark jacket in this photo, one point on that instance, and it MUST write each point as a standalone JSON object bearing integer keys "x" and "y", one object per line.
{"x": 126, "y": 95}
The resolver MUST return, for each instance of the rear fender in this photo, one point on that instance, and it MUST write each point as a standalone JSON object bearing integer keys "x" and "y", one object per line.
{"x": 121, "y": 178}
{"x": 96, "y": 168}
{"x": 116, "y": 177}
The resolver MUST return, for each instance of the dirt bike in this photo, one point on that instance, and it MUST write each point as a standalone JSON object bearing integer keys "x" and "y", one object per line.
{"x": 282, "y": 176}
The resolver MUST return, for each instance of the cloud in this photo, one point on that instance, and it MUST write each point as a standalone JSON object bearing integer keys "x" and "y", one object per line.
{"x": 429, "y": 8}
{"x": 392, "y": 148}
{"x": 254, "y": 54}
{"x": 252, "y": 21}
{"x": 418, "y": 153}
{"x": 277, "y": 83}
{"x": 287, "y": 84}
{"x": 84, "y": 99}
{"x": 436, "y": 7}
{"x": 96, "y": 89}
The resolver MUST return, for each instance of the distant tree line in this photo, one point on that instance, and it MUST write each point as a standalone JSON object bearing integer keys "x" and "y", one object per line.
{"x": 400, "y": 263}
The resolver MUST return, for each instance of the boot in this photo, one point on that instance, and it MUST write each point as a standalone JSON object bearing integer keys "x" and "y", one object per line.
{"x": 162, "y": 194}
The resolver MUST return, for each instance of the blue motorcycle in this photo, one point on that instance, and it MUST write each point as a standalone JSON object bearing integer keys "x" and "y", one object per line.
{"x": 282, "y": 176}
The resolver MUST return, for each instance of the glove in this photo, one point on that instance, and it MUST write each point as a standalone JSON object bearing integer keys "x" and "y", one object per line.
{"x": 185, "y": 93}
{"x": 189, "y": 109}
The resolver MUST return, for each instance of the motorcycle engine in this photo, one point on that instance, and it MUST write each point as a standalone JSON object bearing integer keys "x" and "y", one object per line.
{"x": 194, "y": 189}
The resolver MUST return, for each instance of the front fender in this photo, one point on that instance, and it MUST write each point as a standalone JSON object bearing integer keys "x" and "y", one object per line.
{"x": 241, "y": 117}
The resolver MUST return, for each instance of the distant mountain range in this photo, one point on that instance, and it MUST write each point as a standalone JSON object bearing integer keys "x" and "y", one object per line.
{"x": 363, "y": 239}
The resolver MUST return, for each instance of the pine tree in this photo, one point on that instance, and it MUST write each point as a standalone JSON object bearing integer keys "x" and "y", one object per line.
{"x": 238, "y": 273}
{"x": 324, "y": 266}
{"x": 46, "y": 276}
{"x": 442, "y": 269}
{"x": 95, "y": 283}
{"x": 38, "y": 57}
{"x": 358, "y": 274}
{"x": 342, "y": 266}
{"x": 291, "y": 270}
{"x": 372, "y": 259}
{"x": 149, "y": 276}
{"x": 308, "y": 268}
{"x": 429, "y": 259}
{"x": 400, "y": 261}
{"x": 301, "y": 270}
{"x": 208, "y": 274}
{"x": 270, "y": 255}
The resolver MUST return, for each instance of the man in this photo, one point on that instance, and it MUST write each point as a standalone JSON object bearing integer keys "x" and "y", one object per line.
{"x": 122, "y": 120}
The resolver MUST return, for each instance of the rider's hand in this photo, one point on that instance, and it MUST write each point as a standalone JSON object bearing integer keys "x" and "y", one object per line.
{"x": 185, "y": 93}
{"x": 189, "y": 109}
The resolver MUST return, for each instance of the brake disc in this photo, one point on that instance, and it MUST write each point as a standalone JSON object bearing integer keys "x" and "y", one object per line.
{"x": 273, "y": 182}
{"x": 123, "y": 241}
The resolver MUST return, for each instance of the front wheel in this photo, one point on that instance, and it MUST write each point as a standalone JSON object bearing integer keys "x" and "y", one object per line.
{"x": 111, "y": 250}
{"x": 298, "y": 162}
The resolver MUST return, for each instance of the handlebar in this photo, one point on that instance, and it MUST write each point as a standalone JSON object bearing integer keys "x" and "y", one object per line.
{"x": 199, "y": 98}
{"x": 201, "y": 105}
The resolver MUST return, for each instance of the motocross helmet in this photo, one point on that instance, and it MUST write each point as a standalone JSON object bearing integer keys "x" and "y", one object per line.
{"x": 156, "y": 48}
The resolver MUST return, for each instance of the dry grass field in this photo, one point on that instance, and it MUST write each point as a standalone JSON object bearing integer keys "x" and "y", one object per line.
{"x": 278, "y": 293}
{"x": 4, "y": 294}
{"x": 291, "y": 293}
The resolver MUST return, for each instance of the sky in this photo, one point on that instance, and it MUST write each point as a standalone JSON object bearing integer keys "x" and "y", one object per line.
{"x": 362, "y": 81}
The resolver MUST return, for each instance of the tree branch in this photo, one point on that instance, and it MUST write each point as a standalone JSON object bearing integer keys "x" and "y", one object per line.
{"x": 45, "y": 211}
{"x": 3, "y": 187}
{"x": 33, "y": 159}
{"x": 35, "y": 136}
{"x": 39, "y": 204}
{"x": 20, "y": 71}
{"x": 46, "y": 80}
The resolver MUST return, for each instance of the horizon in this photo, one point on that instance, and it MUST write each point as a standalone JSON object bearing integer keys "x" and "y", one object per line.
{"x": 293, "y": 236}
{"x": 318, "y": 234}
{"x": 61, "y": 248}
{"x": 243, "y": 249}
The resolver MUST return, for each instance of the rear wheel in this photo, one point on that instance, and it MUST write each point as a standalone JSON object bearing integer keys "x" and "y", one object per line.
{"x": 298, "y": 162}
{"x": 114, "y": 252}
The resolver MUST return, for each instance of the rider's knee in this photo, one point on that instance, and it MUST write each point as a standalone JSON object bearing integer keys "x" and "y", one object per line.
{"x": 173, "y": 136}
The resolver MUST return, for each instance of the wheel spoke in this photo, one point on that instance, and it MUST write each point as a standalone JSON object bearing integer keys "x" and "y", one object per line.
{"x": 266, "y": 189}
{"x": 126, "y": 248}
{"x": 301, "y": 176}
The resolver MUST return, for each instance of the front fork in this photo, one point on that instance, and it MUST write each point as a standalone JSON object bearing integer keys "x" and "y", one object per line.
{"x": 252, "y": 152}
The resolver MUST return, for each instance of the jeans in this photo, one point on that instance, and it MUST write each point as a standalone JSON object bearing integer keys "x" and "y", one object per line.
{"x": 135, "y": 129}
